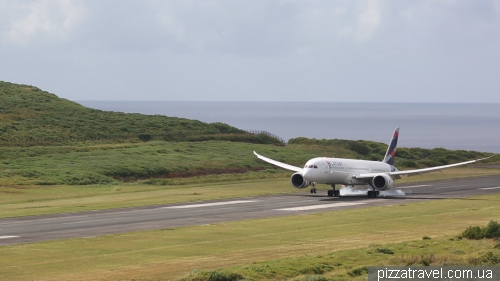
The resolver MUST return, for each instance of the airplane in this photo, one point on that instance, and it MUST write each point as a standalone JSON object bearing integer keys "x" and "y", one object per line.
{"x": 379, "y": 176}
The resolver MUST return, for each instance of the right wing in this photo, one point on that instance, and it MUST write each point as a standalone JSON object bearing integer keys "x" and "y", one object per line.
{"x": 432, "y": 169}
{"x": 398, "y": 174}
{"x": 277, "y": 163}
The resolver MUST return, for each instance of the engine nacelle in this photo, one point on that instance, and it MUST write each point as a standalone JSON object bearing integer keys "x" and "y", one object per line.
{"x": 298, "y": 181}
{"x": 382, "y": 182}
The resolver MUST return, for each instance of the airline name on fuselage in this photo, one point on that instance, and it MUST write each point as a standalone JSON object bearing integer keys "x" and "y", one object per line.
{"x": 332, "y": 164}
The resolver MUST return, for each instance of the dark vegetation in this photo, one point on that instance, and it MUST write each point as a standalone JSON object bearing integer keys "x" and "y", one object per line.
{"x": 384, "y": 250}
{"x": 217, "y": 275}
{"x": 104, "y": 163}
{"x": 491, "y": 231}
{"x": 47, "y": 140}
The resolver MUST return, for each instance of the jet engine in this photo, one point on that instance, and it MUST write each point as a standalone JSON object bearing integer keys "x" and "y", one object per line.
{"x": 382, "y": 182}
{"x": 298, "y": 181}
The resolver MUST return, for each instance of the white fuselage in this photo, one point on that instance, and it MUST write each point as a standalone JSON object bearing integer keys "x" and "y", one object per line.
{"x": 341, "y": 171}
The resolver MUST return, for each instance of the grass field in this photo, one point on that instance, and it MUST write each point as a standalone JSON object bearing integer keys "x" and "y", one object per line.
{"x": 36, "y": 200}
{"x": 273, "y": 248}
{"x": 57, "y": 156}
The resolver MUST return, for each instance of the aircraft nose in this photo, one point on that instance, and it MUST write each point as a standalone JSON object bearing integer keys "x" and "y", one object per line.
{"x": 307, "y": 174}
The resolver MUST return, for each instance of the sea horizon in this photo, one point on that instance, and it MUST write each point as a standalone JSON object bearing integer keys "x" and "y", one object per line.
{"x": 464, "y": 126}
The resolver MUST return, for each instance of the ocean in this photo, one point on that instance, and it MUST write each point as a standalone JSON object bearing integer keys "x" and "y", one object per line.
{"x": 426, "y": 125}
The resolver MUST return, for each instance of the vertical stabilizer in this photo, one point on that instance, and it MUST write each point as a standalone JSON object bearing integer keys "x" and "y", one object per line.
{"x": 391, "y": 150}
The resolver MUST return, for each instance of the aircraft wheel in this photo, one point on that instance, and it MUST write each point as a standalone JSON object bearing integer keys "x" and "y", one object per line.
{"x": 370, "y": 193}
{"x": 331, "y": 193}
{"x": 336, "y": 193}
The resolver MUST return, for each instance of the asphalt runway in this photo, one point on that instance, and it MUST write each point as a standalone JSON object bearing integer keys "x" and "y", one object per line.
{"x": 89, "y": 224}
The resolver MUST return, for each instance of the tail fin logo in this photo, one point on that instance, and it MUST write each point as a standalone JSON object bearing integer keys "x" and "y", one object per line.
{"x": 391, "y": 150}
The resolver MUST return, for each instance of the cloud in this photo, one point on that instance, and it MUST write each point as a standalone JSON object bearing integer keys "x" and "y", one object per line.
{"x": 266, "y": 27}
{"x": 317, "y": 50}
{"x": 369, "y": 20}
{"x": 40, "y": 22}
{"x": 243, "y": 28}
{"x": 235, "y": 28}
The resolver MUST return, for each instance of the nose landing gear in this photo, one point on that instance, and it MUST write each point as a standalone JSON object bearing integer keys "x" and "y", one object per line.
{"x": 313, "y": 189}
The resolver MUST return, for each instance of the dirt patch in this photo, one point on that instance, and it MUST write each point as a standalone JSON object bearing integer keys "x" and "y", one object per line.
{"x": 10, "y": 192}
{"x": 193, "y": 174}
{"x": 488, "y": 166}
{"x": 19, "y": 186}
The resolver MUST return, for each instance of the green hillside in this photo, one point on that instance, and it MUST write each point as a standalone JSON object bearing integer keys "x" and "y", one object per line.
{"x": 47, "y": 140}
{"x": 28, "y": 114}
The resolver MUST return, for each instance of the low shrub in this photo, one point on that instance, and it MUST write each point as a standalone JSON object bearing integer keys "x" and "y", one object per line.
{"x": 85, "y": 178}
{"x": 492, "y": 231}
{"x": 386, "y": 251}
{"x": 215, "y": 275}
{"x": 317, "y": 269}
{"x": 358, "y": 271}
{"x": 473, "y": 232}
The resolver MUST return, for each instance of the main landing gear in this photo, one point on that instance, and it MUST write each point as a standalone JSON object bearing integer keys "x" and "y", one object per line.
{"x": 373, "y": 193}
{"x": 333, "y": 192}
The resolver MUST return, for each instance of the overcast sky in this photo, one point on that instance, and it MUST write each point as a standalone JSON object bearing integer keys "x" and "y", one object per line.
{"x": 259, "y": 50}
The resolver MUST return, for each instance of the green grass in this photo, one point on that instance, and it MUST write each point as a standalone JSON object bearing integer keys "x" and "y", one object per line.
{"x": 101, "y": 163}
{"x": 353, "y": 264}
{"x": 22, "y": 201}
{"x": 30, "y": 112}
{"x": 331, "y": 244}
{"x": 97, "y": 164}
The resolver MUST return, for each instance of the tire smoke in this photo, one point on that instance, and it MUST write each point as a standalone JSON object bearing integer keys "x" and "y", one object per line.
{"x": 347, "y": 190}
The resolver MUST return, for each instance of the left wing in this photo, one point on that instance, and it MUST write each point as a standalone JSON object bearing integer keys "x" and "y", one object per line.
{"x": 277, "y": 163}
{"x": 418, "y": 171}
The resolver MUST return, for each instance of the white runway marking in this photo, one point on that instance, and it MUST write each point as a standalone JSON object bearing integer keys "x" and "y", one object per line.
{"x": 496, "y": 187}
{"x": 444, "y": 187}
{"x": 314, "y": 207}
{"x": 414, "y": 186}
{"x": 210, "y": 204}
{"x": 76, "y": 222}
{"x": 8, "y": 236}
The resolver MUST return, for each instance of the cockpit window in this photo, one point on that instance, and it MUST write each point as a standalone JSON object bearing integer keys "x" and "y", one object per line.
{"x": 315, "y": 167}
